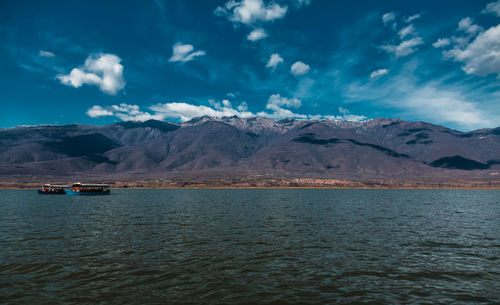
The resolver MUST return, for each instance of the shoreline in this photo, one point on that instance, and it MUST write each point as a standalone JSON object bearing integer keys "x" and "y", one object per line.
{"x": 252, "y": 183}
{"x": 285, "y": 188}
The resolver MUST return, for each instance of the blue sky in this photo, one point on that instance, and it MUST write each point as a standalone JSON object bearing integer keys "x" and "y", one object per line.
{"x": 98, "y": 62}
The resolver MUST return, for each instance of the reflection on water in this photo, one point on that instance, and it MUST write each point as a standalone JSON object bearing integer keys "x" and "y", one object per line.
{"x": 247, "y": 246}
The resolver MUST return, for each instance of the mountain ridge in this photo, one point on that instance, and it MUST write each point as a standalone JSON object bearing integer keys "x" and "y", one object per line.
{"x": 377, "y": 149}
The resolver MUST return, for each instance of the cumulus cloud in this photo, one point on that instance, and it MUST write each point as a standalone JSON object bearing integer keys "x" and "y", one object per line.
{"x": 406, "y": 31}
{"x": 184, "y": 53}
{"x": 282, "y": 113}
{"x": 46, "y": 54}
{"x": 251, "y": 11}
{"x": 98, "y": 111}
{"x": 493, "y": 8}
{"x": 127, "y": 112}
{"x": 441, "y": 42}
{"x": 124, "y": 112}
{"x": 257, "y": 34}
{"x": 388, "y": 17}
{"x": 276, "y": 104}
{"x": 243, "y": 107}
{"x": 404, "y": 48}
{"x": 274, "y": 61}
{"x": 299, "y": 68}
{"x": 467, "y": 25}
{"x": 412, "y": 18}
{"x": 181, "y": 111}
{"x": 186, "y": 112}
{"x": 469, "y": 30}
{"x": 378, "y": 73}
{"x": 102, "y": 70}
{"x": 276, "y": 101}
{"x": 482, "y": 55}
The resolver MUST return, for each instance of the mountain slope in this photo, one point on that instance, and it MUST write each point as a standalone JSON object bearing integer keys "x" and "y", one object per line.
{"x": 375, "y": 149}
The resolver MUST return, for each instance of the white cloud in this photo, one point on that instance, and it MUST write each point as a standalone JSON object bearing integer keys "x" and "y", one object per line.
{"x": 482, "y": 55}
{"x": 251, "y": 11}
{"x": 124, "y": 112}
{"x": 184, "y": 111}
{"x": 97, "y": 111}
{"x": 127, "y": 112}
{"x": 282, "y": 113}
{"x": 226, "y": 104}
{"x": 243, "y": 107}
{"x": 493, "y": 8}
{"x": 347, "y": 116}
{"x": 184, "y": 53}
{"x": 445, "y": 106}
{"x": 276, "y": 101}
{"x": 406, "y": 31}
{"x": 46, "y": 53}
{"x": 461, "y": 41}
{"x": 350, "y": 117}
{"x": 432, "y": 102}
{"x": 276, "y": 104}
{"x": 299, "y": 68}
{"x": 343, "y": 110}
{"x": 412, "y": 18}
{"x": 257, "y": 34}
{"x": 378, "y": 73}
{"x": 441, "y": 42}
{"x": 388, "y": 17}
{"x": 404, "y": 48}
{"x": 471, "y": 30}
{"x": 274, "y": 61}
{"x": 467, "y": 25}
{"x": 102, "y": 70}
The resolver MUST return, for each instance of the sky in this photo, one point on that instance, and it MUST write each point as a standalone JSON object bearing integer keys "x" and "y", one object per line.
{"x": 100, "y": 62}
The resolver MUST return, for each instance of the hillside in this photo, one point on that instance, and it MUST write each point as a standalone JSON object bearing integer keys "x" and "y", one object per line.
{"x": 231, "y": 147}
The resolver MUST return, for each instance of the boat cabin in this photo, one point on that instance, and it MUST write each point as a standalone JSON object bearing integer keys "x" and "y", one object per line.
{"x": 90, "y": 188}
{"x": 52, "y": 189}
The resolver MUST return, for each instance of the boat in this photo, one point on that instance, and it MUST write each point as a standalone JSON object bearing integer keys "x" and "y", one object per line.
{"x": 52, "y": 189}
{"x": 80, "y": 189}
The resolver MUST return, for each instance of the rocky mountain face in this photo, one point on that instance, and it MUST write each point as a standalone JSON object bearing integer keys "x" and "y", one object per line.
{"x": 379, "y": 149}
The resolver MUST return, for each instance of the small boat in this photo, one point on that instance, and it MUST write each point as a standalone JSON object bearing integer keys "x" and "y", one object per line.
{"x": 88, "y": 189}
{"x": 52, "y": 189}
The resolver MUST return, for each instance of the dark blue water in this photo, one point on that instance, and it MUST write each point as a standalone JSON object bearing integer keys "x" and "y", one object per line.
{"x": 251, "y": 246}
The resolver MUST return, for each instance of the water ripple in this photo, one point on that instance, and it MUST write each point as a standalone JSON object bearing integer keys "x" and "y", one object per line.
{"x": 251, "y": 246}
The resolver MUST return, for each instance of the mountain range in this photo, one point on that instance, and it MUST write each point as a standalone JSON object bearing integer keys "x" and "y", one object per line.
{"x": 373, "y": 150}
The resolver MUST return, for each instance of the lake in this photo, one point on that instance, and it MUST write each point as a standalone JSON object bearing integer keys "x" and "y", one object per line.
{"x": 294, "y": 246}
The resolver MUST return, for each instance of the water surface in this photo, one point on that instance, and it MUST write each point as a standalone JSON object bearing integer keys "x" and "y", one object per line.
{"x": 248, "y": 246}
